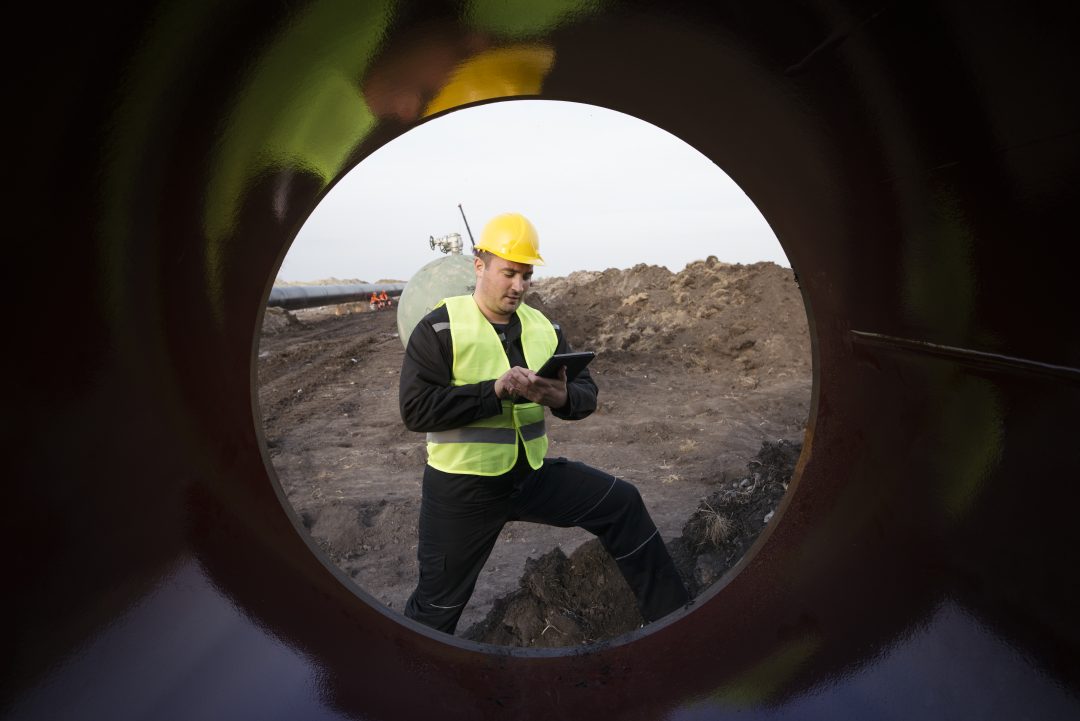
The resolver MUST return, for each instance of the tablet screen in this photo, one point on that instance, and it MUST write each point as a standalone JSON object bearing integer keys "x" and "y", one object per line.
{"x": 574, "y": 363}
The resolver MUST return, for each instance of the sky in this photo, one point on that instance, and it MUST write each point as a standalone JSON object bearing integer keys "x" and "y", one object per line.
{"x": 603, "y": 189}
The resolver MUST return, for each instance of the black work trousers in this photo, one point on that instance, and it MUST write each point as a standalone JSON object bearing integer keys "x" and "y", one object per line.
{"x": 461, "y": 517}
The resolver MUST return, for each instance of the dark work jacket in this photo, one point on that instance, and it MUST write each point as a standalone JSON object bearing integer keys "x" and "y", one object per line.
{"x": 429, "y": 402}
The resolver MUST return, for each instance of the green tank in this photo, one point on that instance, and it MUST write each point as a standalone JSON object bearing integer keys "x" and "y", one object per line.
{"x": 441, "y": 278}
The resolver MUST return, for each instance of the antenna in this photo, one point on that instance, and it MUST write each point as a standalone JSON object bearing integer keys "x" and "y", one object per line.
{"x": 467, "y": 225}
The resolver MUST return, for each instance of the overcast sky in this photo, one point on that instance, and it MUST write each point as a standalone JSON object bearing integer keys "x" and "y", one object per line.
{"x": 604, "y": 190}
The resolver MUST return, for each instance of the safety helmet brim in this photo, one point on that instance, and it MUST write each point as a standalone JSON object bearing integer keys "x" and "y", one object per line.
{"x": 514, "y": 258}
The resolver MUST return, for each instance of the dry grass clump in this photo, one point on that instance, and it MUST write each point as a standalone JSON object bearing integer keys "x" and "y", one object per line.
{"x": 717, "y": 527}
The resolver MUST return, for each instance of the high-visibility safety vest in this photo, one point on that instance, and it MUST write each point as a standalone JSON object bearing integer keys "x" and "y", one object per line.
{"x": 489, "y": 447}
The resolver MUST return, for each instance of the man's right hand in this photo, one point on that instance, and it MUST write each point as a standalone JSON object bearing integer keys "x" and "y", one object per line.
{"x": 511, "y": 383}
{"x": 521, "y": 382}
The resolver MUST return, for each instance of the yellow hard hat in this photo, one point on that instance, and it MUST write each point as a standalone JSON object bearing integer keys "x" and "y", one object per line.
{"x": 511, "y": 237}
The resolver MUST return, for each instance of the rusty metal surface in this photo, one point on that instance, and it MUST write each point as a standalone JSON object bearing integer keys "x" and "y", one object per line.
{"x": 919, "y": 163}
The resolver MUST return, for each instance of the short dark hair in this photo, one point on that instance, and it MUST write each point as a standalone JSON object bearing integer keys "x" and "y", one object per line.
{"x": 484, "y": 255}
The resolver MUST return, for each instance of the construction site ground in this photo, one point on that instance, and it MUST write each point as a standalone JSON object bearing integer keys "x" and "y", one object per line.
{"x": 697, "y": 370}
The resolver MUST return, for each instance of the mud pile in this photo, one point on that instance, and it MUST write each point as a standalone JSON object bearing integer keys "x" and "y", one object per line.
{"x": 729, "y": 520}
{"x": 710, "y": 316}
{"x": 584, "y": 598}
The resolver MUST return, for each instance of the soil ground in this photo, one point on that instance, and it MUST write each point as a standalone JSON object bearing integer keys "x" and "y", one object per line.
{"x": 696, "y": 370}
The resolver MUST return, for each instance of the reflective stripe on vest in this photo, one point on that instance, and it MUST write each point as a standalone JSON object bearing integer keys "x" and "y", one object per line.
{"x": 489, "y": 447}
{"x": 473, "y": 434}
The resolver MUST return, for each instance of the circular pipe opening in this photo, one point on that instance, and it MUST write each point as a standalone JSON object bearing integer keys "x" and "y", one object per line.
{"x": 729, "y": 364}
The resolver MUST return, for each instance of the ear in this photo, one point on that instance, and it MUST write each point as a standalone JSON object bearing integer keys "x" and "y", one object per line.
{"x": 478, "y": 265}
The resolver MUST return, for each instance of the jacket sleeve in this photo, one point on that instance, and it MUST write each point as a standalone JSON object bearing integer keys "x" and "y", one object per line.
{"x": 580, "y": 392}
{"x": 427, "y": 400}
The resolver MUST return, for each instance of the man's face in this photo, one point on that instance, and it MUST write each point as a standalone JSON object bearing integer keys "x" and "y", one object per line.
{"x": 501, "y": 286}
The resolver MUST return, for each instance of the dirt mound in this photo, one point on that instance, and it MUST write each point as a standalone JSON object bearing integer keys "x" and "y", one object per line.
{"x": 562, "y": 602}
{"x": 729, "y": 520}
{"x": 584, "y": 598}
{"x": 277, "y": 320}
{"x": 711, "y": 316}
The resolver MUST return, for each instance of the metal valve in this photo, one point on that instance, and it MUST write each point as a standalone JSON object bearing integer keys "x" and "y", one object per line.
{"x": 451, "y": 244}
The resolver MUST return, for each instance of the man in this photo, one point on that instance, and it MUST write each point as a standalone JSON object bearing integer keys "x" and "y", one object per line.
{"x": 468, "y": 380}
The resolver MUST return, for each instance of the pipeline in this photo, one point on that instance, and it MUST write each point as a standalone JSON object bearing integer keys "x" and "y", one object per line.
{"x": 916, "y": 161}
{"x": 295, "y": 297}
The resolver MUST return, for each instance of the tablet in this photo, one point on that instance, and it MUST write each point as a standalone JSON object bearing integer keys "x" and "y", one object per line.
{"x": 574, "y": 362}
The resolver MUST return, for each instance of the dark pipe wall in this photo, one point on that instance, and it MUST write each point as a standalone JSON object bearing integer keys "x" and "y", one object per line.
{"x": 919, "y": 163}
